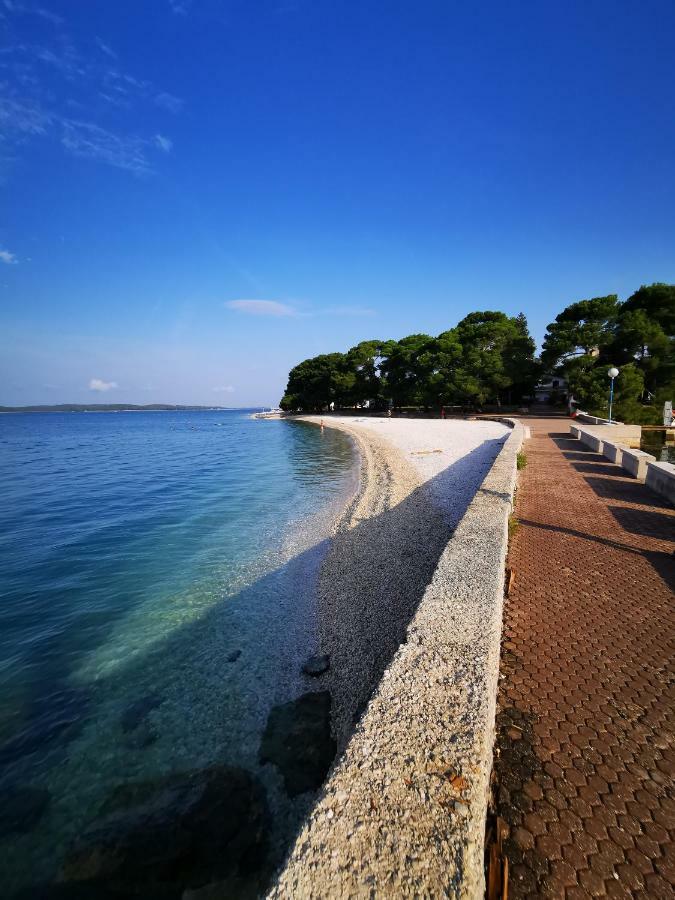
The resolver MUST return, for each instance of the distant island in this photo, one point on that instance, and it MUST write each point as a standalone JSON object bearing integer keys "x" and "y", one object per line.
{"x": 106, "y": 407}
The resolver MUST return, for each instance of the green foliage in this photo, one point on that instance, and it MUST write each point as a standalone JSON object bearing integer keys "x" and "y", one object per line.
{"x": 581, "y": 329}
{"x": 627, "y": 390}
{"x": 521, "y": 460}
{"x": 497, "y": 357}
{"x": 636, "y": 336}
{"x": 316, "y": 382}
{"x": 645, "y": 333}
{"x": 486, "y": 357}
{"x": 363, "y": 361}
{"x": 658, "y": 301}
{"x": 404, "y": 368}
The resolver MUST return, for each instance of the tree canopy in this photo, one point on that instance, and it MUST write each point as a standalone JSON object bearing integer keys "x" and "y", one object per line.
{"x": 589, "y": 336}
{"x": 487, "y": 357}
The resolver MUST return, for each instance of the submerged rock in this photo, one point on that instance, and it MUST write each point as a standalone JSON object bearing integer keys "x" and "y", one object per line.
{"x": 141, "y": 737}
{"x": 317, "y": 665}
{"x": 234, "y": 656}
{"x": 297, "y": 739}
{"x": 137, "y": 712}
{"x": 58, "y": 715}
{"x": 182, "y": 830}
{"x": 21, "y": 808}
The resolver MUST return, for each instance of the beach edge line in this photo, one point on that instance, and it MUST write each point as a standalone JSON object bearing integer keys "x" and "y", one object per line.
{"x": 404, "y": 808}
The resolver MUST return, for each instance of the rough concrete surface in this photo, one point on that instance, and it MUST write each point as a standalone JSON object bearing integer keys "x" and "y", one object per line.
{"x": 661, "y": 478}
{"x": 403, "y": 811}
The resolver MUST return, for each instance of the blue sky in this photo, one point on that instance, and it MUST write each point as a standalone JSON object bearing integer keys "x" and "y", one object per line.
{"x": 195, "y": 195}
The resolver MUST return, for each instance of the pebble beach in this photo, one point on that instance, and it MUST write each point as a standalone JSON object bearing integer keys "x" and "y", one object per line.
{"x": 417, "y": 480}
{"x": 410, "y": 601}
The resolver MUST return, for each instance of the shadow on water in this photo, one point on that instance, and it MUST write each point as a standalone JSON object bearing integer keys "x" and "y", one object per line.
{"x": 203, "y": 694}
{"x": 73, "y": 617}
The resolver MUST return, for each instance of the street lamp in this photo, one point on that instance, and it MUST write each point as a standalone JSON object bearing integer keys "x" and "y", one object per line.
{"x": 613, "y": 372}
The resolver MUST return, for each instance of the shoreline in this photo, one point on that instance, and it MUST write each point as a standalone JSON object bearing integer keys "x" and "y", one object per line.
{"x": 200, "y": 668}
{"x": 368, "y": 581}
{"x": 384, "y": 549}
{"x": 410, "y": 599}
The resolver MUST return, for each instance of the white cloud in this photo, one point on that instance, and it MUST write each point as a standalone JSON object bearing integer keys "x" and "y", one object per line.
{"x": 88, "y": 140}
{"x": 180, "y": 7}
{"x": 106, "y": 49}
{"x": 7, "y": 257}
{"x": 13, "y": 6}
{"x": 225, "y": 389}
{"x": 26, "y": 118}
{"x": 97, "y": 384}
{"x": 37, "y": 85}
{"x": 272, "y": 308}
{"x": 261, "y": 307}
{"x": 169, "y": 102}
{"x": 164, "y": 143}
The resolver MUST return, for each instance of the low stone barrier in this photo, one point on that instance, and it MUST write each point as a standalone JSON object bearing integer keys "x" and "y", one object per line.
{"x": 661, "y": 478}
{"x": 592, "y": 441}
{"x": 403, "y": 811}
{"x": 635, "y": 463}
{"x": 614, "y": 452}
{"x": 630, "y": 435}
{"x": 594, "y": 420}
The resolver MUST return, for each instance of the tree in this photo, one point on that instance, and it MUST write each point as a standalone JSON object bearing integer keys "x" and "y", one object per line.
{"x": 658, "y": 302}
{"x": 489, "y": 356}
{"x": 316, "y": 382}
{"x": 520, "y": 364}
{"x": 644, "y": 334}
{"x": 627, "y": 389}
{"x": 584, "y": 328}
{"x": 438, "y": 363}
{"x": 497, "y": 354}
{"x": 402, "y": 365}
{"x": 363, "y": 361}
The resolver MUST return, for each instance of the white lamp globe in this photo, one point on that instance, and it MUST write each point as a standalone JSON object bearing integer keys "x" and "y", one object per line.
{"x": 613, "y": 372}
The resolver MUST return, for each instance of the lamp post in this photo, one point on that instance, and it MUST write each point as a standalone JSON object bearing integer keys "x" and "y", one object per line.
{"x": 613, "y": 372}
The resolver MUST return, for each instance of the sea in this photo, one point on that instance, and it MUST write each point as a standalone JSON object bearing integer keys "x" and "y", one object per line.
{"x": 157, "y": 574}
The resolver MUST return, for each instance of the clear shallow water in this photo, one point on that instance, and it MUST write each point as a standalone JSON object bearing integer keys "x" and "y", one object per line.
{"x": 165, "y": 560}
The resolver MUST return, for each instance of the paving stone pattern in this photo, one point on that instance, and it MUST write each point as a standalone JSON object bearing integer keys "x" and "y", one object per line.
{"x": 586, "y": 756}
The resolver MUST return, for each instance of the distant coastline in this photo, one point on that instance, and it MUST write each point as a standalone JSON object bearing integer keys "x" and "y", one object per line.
{"x": 111, "y": 407}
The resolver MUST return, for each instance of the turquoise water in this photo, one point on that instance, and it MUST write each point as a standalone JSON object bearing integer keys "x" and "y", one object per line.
{"x": 165, "y": 560}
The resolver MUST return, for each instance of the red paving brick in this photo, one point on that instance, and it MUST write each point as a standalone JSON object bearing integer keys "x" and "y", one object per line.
{"x": 585, "y": 748}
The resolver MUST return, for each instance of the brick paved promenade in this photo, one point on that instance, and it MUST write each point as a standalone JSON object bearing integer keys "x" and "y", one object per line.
{"x": 586, "y": 753}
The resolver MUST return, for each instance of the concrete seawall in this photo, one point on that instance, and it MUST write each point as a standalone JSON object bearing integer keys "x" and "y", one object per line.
{"x": 635, "y": 462}
{"x": 403, "y": 811}
{"x": 661, "y": 478}
{"x": 616, "y": 432}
